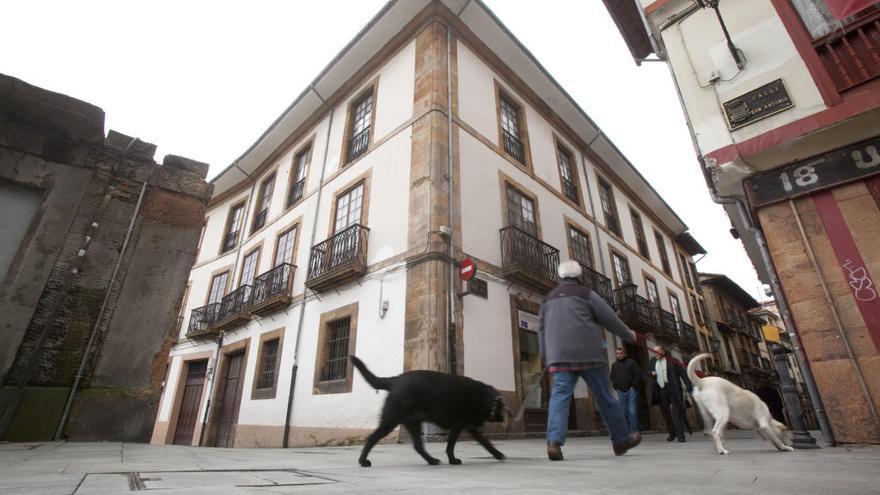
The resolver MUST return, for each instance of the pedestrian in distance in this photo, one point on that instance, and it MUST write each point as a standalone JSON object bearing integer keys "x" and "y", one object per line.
{"x": 571, "y": 344}
{"x": 668, "y": 378}
{"x": 626, "y": 380}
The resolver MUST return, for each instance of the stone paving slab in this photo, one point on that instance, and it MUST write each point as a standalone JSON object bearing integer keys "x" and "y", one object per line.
{"x": 590, "y": 467}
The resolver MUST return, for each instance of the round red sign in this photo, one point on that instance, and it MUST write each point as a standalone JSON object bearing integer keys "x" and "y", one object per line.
{"x": 467, "y": 269}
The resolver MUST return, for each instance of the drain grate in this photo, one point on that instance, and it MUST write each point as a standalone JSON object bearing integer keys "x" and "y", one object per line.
{"x": 219, "y": 480}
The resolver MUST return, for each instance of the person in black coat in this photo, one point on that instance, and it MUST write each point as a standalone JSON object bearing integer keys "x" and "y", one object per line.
{"x": 667, "y": 379}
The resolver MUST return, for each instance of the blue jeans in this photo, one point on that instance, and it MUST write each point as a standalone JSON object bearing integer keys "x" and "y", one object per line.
{"x": 560, "y": 401}
{"x": 628, "y": 402}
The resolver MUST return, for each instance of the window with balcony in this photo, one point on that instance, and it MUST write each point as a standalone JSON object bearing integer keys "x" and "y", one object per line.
{"x": 622, "y": 275}
{"x": 232, "y": 233}
{"x": 580, "y": 248}
{"x": 284, "y": 246}
{"x": 361, "y": 121}
{"x": 846, "y": 37}
{"x": 664, "y": 256}
{"x": 676, "y": 307}
{"x": 567, "y": 174}
{"x": 298, "y": 176}
{"x": 609, "y": 207}
{"x": 348, "y": 208}
{"x": 639, "y": 229}
{"x": 651, "y": 291}
{"x": 510, "y": 116}
{"x": 218, "y": 287}
{"x": 249, "y": 267}
{"x": 343, "y": 256}
{"x": 264, "y": 198}
{"x": 521, "y": 211}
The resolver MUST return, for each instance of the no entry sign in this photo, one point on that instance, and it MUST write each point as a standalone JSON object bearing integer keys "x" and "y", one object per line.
{"x": 467, "y": 269}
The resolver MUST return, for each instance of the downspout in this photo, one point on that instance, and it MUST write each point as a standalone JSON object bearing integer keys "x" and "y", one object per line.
{"x": 213, "y": 379}
{"x": 288, "y": 417}
{"x": 94, "y": 333}
{"x": 807, "y": 373}
{"x": 450, "y": 273}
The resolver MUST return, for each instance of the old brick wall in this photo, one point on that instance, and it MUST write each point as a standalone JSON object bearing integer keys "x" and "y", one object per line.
{"x": 58, "y": 281}
{"x": 836, "y": 374}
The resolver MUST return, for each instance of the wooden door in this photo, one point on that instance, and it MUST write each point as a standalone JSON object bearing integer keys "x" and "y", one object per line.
{"x": 189, "y": 404}
{"x": 230, "y": 399}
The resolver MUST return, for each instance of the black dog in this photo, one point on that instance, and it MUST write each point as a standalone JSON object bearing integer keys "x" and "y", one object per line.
{"x": 455, "y": 403}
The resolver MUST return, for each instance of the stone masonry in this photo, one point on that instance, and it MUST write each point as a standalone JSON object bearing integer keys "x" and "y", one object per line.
{"x": 59, "y": 291}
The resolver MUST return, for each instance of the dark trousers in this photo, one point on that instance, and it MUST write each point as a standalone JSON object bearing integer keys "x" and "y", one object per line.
{"x": 675, "y": 420}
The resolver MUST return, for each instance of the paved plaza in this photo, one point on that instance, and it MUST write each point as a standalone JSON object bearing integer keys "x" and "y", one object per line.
{"x": 590, "y": 467}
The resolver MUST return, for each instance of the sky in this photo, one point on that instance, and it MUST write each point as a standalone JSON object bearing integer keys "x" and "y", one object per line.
{"x": 204, "y": 80}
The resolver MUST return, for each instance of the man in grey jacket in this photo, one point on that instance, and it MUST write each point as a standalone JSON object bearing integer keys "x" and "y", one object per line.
{"x": 570, "y": 338}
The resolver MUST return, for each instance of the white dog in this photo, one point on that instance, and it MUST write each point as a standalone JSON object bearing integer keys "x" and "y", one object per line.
{"x": 721, "y": 402}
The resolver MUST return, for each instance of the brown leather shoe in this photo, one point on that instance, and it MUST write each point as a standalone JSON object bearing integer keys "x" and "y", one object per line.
{"x": 634, "y": 440}
{"x": 554, "y": 451}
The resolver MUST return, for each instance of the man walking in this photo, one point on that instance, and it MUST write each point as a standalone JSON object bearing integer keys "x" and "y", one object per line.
{"x": 625, "y": 377}
{"x": 571, "y": 343}
{"x": 667, "y": 392}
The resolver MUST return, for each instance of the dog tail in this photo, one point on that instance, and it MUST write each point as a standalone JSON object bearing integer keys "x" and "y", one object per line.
{"x": 692, "y": 369}
{"x": 374, "y": 381}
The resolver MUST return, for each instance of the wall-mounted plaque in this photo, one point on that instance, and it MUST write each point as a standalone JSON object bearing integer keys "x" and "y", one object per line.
{"x": 478, "y": 287}
{"x": 839, "y": 166}
{"x": 757, "y": 104}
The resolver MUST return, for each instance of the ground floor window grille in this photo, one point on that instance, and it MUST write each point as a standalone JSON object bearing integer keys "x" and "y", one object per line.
{"x": 337, "y": 346}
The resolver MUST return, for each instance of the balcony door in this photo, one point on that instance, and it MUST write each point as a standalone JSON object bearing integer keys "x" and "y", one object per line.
{"x": 349, "y": 207}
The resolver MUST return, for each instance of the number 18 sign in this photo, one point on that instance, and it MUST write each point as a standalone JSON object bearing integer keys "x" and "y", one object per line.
{"x": 819, "y": 172}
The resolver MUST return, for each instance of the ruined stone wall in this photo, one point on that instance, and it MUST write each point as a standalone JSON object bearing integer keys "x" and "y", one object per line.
{"x": 60, "y": 277}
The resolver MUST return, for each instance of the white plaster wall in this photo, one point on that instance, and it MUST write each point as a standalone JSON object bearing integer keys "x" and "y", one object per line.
{"x": 487, "y": 337}
{"x": 696, "y": 47}
{"x": 476, "y": 93}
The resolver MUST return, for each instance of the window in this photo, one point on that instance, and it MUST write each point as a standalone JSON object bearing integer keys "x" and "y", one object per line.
{"x": 521, "y": 211}
{"x": 580, "y": 247}
{"x": 361, "y": 121}
{"x": 218, "y": 287}
{"x": 511, "y": 138}
{"x": 697, "y": 312}
{"x": 685, "y": 268}
{"x": 263, "y": 200}
{"x": 651, "y": 290}
{"x": 201, "y": 237}
{"x": 284, "y": 246}
{"x": 676, "y": 307}
{"x": 696, "y": 277}
{"x": 233, "y": 227}
{"x": 609, "y": 207}
{"x": 567, "y": 174}
{"x": 298, "y": 176}
{"x": 336, "y": 341}
{"x": 622, "y": 275}
{"x": 664, "y": 257}
{"x": 640, "y": 233}
{"x": 249, "y": 267}
{"x": 268, "y": 364}
{"x": 348, "y": 208}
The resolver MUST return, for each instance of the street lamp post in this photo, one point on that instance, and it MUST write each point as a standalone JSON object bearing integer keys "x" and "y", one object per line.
{"x": 801, "y": 438}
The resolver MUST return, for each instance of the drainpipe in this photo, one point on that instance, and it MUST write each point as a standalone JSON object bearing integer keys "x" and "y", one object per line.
{"x": 213, "y": 378}
{"x": 450, "y": 273}
{"x": 742, "y": 210}
{"x": 94, "y": 333}
{"x": 288, "y": 418}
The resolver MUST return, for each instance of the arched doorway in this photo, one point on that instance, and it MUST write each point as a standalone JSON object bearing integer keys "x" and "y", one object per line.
{"x": 774, "y": 402}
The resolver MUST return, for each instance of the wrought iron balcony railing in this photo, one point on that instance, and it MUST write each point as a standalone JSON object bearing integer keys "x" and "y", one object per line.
{"x": 201, "y": 321}
{"x": 599, "y": 283}
{"x": 296, "y": 192}
{"x": 665, "y": 326}
{"x": 634, "y": 310}
{"x": 513, "y": 146}
{"x": 272, "y": 289}
{"x": 260, "y": 219}
{"x": 233, "y": 307}
{"x": 528, "y": 260}
{"x": 687, "y": 336}
{"x": 230, "y": 241}
{"x": 339, "y": 259}
{"x": 570, "y": 190}
{"x": 358, "y": 144}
